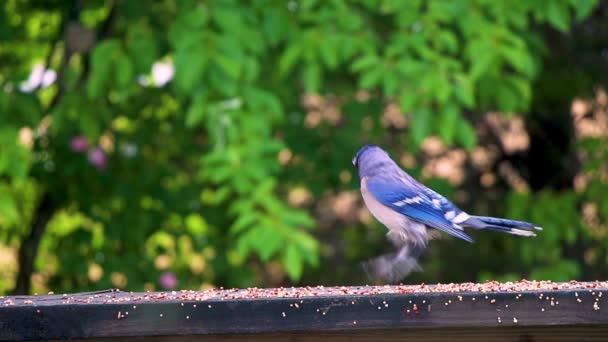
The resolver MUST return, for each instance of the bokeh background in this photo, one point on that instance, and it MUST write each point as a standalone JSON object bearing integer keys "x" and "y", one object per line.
{"x": 188, "y": 144}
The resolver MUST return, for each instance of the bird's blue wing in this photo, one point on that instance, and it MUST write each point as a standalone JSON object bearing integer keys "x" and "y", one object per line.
{"x": 445, "y": 204}
{"x": 415, "y": 204}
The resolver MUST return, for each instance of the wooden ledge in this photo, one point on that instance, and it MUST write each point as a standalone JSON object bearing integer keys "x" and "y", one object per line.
{"x": 527, "y": 308}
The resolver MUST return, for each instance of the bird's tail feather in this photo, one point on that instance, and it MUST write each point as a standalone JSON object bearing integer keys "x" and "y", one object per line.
{"x": 514, "y": 227}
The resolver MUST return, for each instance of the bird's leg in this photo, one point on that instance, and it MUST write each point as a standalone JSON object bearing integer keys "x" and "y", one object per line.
{"x": 394, "y": 266}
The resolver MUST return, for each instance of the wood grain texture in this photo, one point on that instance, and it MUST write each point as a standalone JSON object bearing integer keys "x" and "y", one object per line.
{"x": 430, "y": 316}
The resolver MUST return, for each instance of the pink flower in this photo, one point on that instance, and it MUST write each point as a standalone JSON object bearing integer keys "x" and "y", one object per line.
{"x": 162, "y": 72}
{"x": 98, "y": 158}
{"x": 168, "y": 280}
{"x": 79, "y": 143}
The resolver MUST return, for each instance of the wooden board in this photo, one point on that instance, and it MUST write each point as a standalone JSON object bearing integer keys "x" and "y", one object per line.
{"x": 300, "y": 314}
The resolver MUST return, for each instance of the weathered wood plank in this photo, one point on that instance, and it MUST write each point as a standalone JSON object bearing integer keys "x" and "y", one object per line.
{"x": 337, "y": 312}
{"x": 522, "y": 334}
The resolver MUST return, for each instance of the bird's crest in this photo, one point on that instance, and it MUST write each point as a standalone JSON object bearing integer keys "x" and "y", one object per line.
{"x": 360, "y": 152}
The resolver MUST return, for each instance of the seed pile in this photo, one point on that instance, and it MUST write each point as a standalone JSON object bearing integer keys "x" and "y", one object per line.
{"x": 116, "y": 296}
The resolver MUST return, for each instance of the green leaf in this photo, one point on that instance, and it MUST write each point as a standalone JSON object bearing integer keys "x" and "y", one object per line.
{"x": 142, "y": 47}
{"x": 447, "y": 40}
{"x": 245, "y": 220}
{"x": 14, "y": 157}
{"x": 260, "y": 100}
{"x": 197, "y": 110}
{"x": 507, "y": 98}
{"x": 483, "y": 59}
{"x": 521, "y": 60}
{"x": 124, "y": 72}
{"x": 190, "y": 65}
{"x": 391, "y": 82}
{"x": 269, "y": 242}
{"x": 196, "y": 18}
{"x": 9, "y": 213}
{"x": 364, "y": 62}
{"x": 372, "y": 77}
{"x": 464, "y": 91}
{"x": 229, "y": 65}
{"x": 312, "y": 77}
{"x": 274, "y": 24}
{"x": 289, "y": 58}
{"x": 583, "y": 8}
{"x": 421, "y": 125}
{"x": 408, "y": 101}
{"x": 329, "y": 53}
{"x": 292, "y": 260}
{"x": 466, "y": 134}
{"x": 558, "y": 15}
{"x": 448, "y": 123}
{"x": 102, "y": 59}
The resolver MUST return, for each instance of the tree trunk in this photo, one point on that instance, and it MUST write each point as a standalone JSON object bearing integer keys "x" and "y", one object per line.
{"x": 29, "y": 246}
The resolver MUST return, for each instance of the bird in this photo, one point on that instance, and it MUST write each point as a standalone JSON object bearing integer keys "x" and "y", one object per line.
{"x": 414, "y": 214}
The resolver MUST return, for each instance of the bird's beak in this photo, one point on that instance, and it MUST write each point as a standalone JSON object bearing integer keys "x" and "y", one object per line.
{"x": 355, "y": 161}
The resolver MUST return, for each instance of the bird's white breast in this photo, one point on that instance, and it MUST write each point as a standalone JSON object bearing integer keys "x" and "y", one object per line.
{"x": 401, "y": 228}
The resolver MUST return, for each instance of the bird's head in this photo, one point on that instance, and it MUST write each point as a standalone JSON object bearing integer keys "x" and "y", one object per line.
{"x": 368, "y": 156}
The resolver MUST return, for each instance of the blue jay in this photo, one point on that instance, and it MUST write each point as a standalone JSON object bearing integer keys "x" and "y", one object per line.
{"x": 413, "y": 213}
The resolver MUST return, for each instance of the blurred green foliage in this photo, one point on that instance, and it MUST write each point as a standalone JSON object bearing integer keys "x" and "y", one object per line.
{"x": 180, "y": 174}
